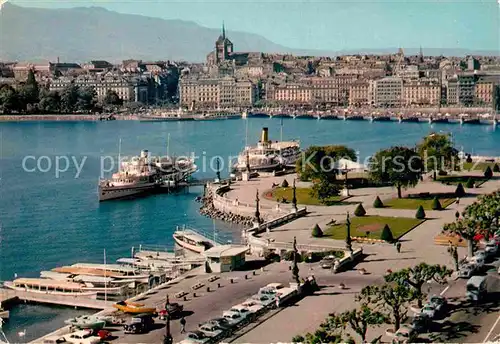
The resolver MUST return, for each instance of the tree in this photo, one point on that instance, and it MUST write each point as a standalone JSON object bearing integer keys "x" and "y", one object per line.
{"x": 465, "y": 227}
{"x": 69, "y": 98}
{"x": 319, "y": 161}
{"x": 391, "y": 299}
{"x": 459, "y": 191}
{"x": 437, "y": 152}
{"x": 317, "y": 232}
{"x": 486, "y": 211}
{"x": 420, "y": 214}
{"x": 87, "y": 98}
{"x": 360, "y": 211}
{"x": 284, "y": 184}
{"x": 112, "y": 98}
{"x": 50, "y": 102}
{"x": 29, "y": 92}
{"x": 496, "y": 168}
{"x": 386, "y": 234}
{"x": 418, "y": 275}
{"x": 436, "y": 205}
{"x": 358, "y": 319}
{"x": 488, "y": 173}
{"x": 9, "y": 99}
{"x": 470, "y": 183}
{"x": 323, "y": 189}
{"x": 378, "y": 203}
{"x": 400, "y": 166}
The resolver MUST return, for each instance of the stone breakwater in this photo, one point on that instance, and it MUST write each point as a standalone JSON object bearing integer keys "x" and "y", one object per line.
{"x": 207, "y": 209}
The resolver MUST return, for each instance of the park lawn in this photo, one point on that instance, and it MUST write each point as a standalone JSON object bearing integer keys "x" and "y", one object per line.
{"x": 413, "y": 203}
{"x": 481, "y": 166}
{"x": 303, "y": 196}
{"x": 374, "y": 225}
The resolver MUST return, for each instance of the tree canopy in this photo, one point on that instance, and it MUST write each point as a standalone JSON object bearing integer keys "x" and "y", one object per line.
{"x": 400, "y": 166}
{"x": 318, "y": 161}
{"x": 437, "y": 152}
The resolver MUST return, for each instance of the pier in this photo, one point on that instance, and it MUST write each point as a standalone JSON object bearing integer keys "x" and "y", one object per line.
{"x": 12, "y": 297}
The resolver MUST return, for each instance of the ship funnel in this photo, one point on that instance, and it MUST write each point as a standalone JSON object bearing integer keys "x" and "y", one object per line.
{"x": 265, "y": 135}
{"x": 144, "y": 153}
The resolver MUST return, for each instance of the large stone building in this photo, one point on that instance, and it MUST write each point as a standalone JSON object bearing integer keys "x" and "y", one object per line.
{"x": 292, "y": 93}
{"x": 388, "y": 92}
{"x": 216, "y": 93}
{"x": 361, "y": 93}
{"x": 421, "y": 92}
{"x": 466, "y": 88}
{"x": 128, "y": 89}
{"x": 484, "y": 92}
{"x": 452, "y": 91}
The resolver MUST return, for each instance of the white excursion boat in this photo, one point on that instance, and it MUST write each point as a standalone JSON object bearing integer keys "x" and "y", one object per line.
{"x": 192, "y": 241}
{"x": 268, "y": 156}
{"x": 125, "y": 272}
{"x": 47, "y": 286}
{"x": 140, "y": 175}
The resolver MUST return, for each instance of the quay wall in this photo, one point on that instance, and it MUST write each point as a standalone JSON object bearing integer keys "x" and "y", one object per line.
{"x": 68, "y": 117}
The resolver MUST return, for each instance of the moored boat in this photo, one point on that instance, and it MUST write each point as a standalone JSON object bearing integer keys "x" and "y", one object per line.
{"x": 47, "y": 286}
{"x": 87, "y": 271}
{"x": 192, "y": 241}
{"x": 4, "y": 314}
{"x": 87, "y": 322}
{"x": 133, "y": 307}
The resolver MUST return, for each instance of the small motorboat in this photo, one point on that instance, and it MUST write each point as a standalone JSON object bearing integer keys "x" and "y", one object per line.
{"x": 4, "y": 314}
{"x": 133, "y": 307}
{"x": 87, "y": 322}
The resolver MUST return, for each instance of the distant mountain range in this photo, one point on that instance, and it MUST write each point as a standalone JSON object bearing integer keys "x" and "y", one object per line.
{"x": 87, "y": 33}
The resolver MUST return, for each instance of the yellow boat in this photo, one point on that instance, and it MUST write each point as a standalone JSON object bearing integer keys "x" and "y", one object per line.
{"x": 133, "y": 307}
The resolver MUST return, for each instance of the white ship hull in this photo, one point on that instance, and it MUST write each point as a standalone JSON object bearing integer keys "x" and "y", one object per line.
{"x": 109, "y": 193}
{"x": 88, "y": 294}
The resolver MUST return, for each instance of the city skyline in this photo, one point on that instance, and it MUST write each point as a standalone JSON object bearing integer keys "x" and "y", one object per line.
{"x": 332, "y": 25}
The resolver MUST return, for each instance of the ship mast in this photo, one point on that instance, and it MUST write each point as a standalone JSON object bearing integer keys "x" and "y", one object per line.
{"x": 281, "y": 130}
{"x": 105, "y": 279}
{"x": 246, "y": 134}
{"x": 168, "y": 145}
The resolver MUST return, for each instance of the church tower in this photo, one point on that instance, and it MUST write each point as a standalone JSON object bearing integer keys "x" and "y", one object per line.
{"x": 223, "y": 47}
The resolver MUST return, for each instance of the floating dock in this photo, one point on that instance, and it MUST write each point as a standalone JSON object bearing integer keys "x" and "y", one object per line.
{"x": 12, "y": 297}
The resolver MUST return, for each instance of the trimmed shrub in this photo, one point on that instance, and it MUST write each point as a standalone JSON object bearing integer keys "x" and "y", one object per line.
{"x": 496, "y": 168}
{"x": 386, "y": 234}
{"x": 360, "y": 211}
{"x": 420, "y": 213}
{"x": 488, "y": 173}
{"x": 317, "y": 232}
{"x": 378, "y": 203}
{"x": 469, "y": 159}
{"x": 460, "y": 192}
{"x": 457, "y": 215}
{"x": 442, "y": 173}
{"x": 287, "y": 256}
{"x": 271, "y": 257}
{"x": 284, "y": 184}
{"x": 470, "y": 183}
{"x": 436, "y": 205}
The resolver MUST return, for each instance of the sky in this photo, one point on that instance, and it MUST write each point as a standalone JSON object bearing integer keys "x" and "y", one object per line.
{"x": 330, "y": 24}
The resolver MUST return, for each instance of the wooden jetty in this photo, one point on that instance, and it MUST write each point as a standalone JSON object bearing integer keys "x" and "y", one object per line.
{"x": 11, "y": 297}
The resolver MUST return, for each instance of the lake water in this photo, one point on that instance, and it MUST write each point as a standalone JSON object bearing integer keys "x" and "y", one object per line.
{"x": 48, "y": 220}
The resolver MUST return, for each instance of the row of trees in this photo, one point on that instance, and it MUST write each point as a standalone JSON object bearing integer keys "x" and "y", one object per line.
{"x": 386, "y": 303}
{"x": 400, "y": 166}
{"x": 480, "y": 218}
{"x": 31, "y": 98}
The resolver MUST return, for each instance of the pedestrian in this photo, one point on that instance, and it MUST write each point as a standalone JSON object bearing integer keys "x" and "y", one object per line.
{"x": 458, "y": 200}
{"x": 398, "y": 246}
{"x": 277, "y": 301}
{"x": 183, "y": 325}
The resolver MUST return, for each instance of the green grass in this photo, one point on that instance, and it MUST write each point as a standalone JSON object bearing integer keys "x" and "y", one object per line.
{"x": 303, "y": 196}
{"x": 413, "y": 203}
{"x": 481, "y": 166}
{"x": 374, "y": 225}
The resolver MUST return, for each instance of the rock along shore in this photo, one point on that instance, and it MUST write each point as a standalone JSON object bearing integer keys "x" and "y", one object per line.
{"x": 207, "y": 209}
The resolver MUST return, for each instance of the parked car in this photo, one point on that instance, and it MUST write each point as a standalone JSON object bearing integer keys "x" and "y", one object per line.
{"x": 212, "y": 331}
{"x": 327, "y": 262}
{"x": 197, "y": 337}
{"x": 242, "y": 310}
{"x": 222, "y": 323}
{"x": 139, "y": 324}
{"x": 82, "y": 337}
{"x": 429, "y": 311}
{"x": 477, "y": 260}
{"x": 263, "y": 299}
{"x": 233, "y": 318}
{"x": 438, "y": 302}
{"x": 55, "y": 340}
{"x": 253, "y": 306}
{"x": 405, "y": 334}
{"x": 491, "y": 248}
{"x": 420, "y": 323}
{"x": 467, "y": 270}
{"x": 481, "y": 254}
{"x": 173, "y": 309}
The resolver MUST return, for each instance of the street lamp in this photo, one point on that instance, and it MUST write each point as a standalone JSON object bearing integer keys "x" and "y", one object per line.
{"x": 344, "y": 172}
{"x": 348, "y": 234}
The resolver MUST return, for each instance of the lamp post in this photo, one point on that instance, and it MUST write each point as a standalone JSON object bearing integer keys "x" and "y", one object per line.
{"x": 218, "y": 169}
{"x": 348, "y": 234}
{"x": 167, "y": 339}
{"x": 294, "y": 197}
{"x": 344, "y": 172}
{"x": 295, "y": 267}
